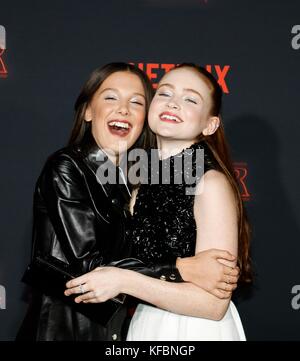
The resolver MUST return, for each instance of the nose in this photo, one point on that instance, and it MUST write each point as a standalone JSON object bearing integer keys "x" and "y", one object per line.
{"x": 123, "y": 109}
{"x": 173, "y": 104}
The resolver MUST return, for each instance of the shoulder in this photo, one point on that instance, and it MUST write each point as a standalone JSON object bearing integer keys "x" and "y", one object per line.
{"x": 205, "y": 153}
{"x": 63, "y": 159}
{"x": 62, "y": 175}
{"x": 215, "y": 205}
{"x": 215, "y": 178}
{"x": 64, "y": 163}
{"x": 214, "y": 187}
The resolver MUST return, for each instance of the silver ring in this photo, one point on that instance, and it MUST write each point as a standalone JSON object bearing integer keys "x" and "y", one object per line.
{"x": 81, "y": 288}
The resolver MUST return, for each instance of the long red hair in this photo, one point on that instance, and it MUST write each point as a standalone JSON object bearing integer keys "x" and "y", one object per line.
{"x": 220, "y": 149}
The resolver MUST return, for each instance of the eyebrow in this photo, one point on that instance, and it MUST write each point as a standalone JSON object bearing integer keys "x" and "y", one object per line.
{"x": 142, "y": 95}
{"x": 185, "y": 89}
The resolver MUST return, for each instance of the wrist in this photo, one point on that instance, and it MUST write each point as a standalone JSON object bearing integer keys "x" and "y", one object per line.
{"x": 182, "y": 268}
{"x": 126, "y": 281}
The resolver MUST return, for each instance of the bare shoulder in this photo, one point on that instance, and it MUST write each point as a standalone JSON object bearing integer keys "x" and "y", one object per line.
{"x": 214, "y": 184}
{"x": 215, "y": 214}
{"x": 215, "y": 178}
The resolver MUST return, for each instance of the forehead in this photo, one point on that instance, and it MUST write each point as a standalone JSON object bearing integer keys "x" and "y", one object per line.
{"x": 123, "y": 80}
{"x": 186, "y": 78}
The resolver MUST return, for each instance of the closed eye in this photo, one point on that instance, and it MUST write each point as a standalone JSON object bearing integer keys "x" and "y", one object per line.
{"x": 110, "y": 98}
{"x": 137, "y": 102}
{"x": 164, "y": 95}
{"x": 191, "y": 100}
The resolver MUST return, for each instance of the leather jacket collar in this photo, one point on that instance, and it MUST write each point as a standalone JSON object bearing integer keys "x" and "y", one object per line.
{"x": 95, "y": 157}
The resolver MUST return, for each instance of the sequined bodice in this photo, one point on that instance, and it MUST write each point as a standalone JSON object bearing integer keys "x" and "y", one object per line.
{"x": 163, "y": 224}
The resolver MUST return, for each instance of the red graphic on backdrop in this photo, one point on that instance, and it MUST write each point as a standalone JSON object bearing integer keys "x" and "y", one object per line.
{"x": 155, "y": 71}
{"x": 3, "y": 70}
{"x": 221, "y": 73}
{"x": 241, "y": 172}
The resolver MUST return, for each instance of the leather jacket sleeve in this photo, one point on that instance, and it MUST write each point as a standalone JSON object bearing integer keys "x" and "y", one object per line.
{"x": 166, "y": 271}
{"x": 73, "y": 217}
{"x": 69, "y": 207}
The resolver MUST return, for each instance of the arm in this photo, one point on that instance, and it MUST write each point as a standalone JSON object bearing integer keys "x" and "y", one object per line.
{"x": 210, "y": 268}
{"x": 203, "y": 269}
{"x": 64, "y": 197}
{"x": 69, "y": 206}
{"x": 70, "y": 210}
{"x": 215, "y": 216}
{"x": 207, "y": 270}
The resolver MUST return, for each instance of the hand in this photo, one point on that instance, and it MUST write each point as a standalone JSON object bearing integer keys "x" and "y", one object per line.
{"x": 99, "y": 285}
{"x": 206, "y": 271}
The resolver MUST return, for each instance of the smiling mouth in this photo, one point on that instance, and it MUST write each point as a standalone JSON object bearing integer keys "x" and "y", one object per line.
{"x": 117, "y": 124}
{"x": 120, "y": 128}
{"x": 171, "y": 118}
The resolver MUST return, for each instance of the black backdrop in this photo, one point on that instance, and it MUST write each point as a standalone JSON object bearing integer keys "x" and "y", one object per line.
{"x": 51, "y": 47}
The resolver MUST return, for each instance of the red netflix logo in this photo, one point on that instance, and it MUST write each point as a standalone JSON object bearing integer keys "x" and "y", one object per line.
{"x": 241, "y": 172}
{"x": 3, "y": 70}
{"x": 155, "y": 72}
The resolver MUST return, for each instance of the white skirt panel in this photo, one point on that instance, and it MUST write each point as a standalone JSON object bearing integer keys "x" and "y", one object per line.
{"x": 154, "y": 324}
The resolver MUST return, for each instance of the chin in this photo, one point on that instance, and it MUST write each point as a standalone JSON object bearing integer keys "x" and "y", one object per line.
{"x": 165, "y": 133}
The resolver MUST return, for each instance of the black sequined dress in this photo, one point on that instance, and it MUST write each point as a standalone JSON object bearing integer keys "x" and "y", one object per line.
{"x": 164, "y": 228}
{"x": 163, "y": 224}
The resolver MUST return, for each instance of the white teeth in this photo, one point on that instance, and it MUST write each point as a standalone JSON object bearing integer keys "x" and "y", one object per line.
{"x": 170, "y": 117}
{"x": 119, "y": 124}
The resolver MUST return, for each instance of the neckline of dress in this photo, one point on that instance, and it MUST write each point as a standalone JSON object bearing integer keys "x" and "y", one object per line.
{"x": 191, "y": 148}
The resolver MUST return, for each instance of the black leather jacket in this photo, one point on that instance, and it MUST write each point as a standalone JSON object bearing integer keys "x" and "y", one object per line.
{"x": 80, "y": 221}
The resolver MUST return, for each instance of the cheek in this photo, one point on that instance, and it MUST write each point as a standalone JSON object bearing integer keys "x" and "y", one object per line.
{"x": 195, "y": 116}
{"x": 151, "y": 122}
{"x": 154, "y": 111}
{"x": 139, "y": 119}
{"x": 141, "y": 116}
{"x": 155, "y": 106}
{"x": 98, "y": 115}
{"x": 98, "y": 125}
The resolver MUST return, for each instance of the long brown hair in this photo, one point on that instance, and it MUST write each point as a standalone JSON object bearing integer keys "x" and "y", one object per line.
{"x": 97, "y": 77}
{"x": 220, "y": 149}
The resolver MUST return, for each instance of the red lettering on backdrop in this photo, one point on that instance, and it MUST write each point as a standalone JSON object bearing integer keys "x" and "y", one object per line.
{"x": 156, "y": 70}
{"x": 3, "y": 70}
{"x": 149, "y": 71}
{"x": 167, "y": 67}
{"x": 221, "y": 74}
{"x": 241, "y": 172}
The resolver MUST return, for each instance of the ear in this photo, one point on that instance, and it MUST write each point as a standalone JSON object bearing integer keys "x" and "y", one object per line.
{"x": 88, "y": 114}
{"x": 212, "y": 126}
